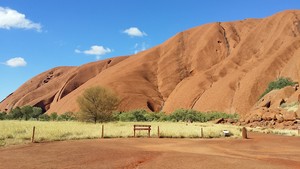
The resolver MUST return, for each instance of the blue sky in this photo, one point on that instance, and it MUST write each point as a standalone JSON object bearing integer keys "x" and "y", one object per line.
{"x": 36, "y": 35}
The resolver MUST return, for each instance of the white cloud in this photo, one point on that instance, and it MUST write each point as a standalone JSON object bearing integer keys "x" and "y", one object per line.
{"x": 95, "y": 50}
{"x": 10, "y": 18}
{"x": 16, "y": 62}
{"x": 140, "y": 47}
{"x": 134, "y": 32}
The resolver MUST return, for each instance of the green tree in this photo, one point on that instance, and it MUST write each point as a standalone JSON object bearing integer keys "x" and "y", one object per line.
{"x": 97, "y": 104}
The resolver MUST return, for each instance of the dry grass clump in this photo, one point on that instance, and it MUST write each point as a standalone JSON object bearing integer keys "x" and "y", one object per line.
{"x": 284, "y": 132}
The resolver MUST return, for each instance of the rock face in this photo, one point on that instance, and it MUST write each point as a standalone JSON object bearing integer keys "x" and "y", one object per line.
{"x": 50, "y": 87}
{"x": 277, "y": 109}
{"x": 213, "y": 67}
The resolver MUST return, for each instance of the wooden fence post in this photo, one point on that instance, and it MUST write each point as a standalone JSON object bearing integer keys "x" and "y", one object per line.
{"x": 244, "y": 133}
{"x": 149, "y": 130}
{"x": 102, "y": 132}
{"x": 33, "y": 132}
{"x": 158, "y": 134}
{"x": 133, "y": 130}
{"x": 201, "y": 132}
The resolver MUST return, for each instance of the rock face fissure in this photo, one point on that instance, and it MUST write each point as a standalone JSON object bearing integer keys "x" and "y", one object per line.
{"x": 158, "y": 87}
{"x": 196, "y": 100}
{"x": 162, "y": 106}
{"x": 219, "y": 66}
{"x": 225, "y": 38}
{"x": 232, "y": 99}
{"x": 60, "y": 94}
{"x": 201, "y": 94}
{"x": 181, "y": 56}
{"x": 297, "y": 25}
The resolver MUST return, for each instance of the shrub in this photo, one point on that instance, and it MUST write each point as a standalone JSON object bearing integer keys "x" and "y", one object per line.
{"x": 134, "y": 115}
{"x": 140, "y": 115}
{"x": 44, "y": 117}
{"x": 36, "y": 112}
{"x": 187, "y": 115}
{"x": 16, "y": 113}
{"x": 217, "y": 115}
{"x": 2, "y": 115}
{"x": 278, "y": 84}
{"x": 26, "y": 112}
{"x": 53, "y": 116}
{"x": 193, "y": 115}
{"x": 97, "y": 104}
{"x": 176, "y": 116}
{"x": 67, "y": 116}
{"x": 156, "y": 116}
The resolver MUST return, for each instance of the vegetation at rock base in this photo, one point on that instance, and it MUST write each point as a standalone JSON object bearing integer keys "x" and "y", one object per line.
{"x": 22, "y": 113}
{"x": 182, "y": 115}
{"x": 278, "y": 84}
{"x": 139, "y": 115}
{"x": 34, "y": 114}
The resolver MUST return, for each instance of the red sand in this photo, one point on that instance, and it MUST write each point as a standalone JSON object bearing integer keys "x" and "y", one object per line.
{"x": 260, "y": 151}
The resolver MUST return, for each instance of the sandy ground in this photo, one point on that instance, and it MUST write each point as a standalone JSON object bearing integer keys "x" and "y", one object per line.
{"x": 260, "y": 151}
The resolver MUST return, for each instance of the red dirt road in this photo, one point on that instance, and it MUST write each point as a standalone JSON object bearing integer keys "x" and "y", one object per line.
{"x": 261, "y": 151}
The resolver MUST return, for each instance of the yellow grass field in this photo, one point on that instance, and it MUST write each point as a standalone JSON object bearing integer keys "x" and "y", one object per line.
{"x": 20, "y": 132}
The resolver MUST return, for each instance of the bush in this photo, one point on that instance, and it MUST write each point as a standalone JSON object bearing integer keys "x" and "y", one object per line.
{"x": 195, "y": 116}
{"x": 36, "y": 112}
{"x": 176, "y": 116}
{"x": 156, "y": 116}
{"x": 217, "y": 115}
{"x": 53, "y": 116}
{"x": 135, "y": 115}
{"x": 278, "y": 84}
{"x": 44, "y": 117}
{"x": 2, "y": 115}
{"x": 67, "y": 116}
{"x": 187, "y": 115}
{"x": 24, "y": 113}
{"x": 140, "y": 115}
{"x": 16, "y": 113}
